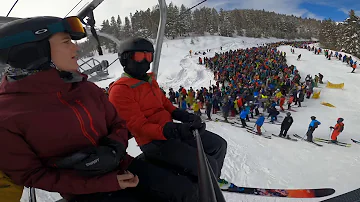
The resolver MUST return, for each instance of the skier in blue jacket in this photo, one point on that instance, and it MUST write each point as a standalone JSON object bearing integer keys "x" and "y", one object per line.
{"x": 313, "y": 125}
{"x": 243, "y": 115}
{"x": 259, "y": 122}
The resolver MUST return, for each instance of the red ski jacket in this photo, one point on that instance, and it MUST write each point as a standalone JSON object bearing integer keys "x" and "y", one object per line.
{"x": 143, "y": 106}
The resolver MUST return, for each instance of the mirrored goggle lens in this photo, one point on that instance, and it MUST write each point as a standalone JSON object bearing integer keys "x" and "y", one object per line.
{"x": 74, "y": 27}
{"x": 140, "y": 56}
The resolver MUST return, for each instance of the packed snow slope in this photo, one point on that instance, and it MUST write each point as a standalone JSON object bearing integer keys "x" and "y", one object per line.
{"x": 276, "y": 163}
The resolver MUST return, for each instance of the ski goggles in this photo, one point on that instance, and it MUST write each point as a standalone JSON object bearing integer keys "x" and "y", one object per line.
{"x": 140, "y": 56}
{"x": 71, "y": 25}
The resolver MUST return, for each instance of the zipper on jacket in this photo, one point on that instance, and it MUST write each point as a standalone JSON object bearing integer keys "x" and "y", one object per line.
{"x": 81, "y": 121}
{"x": 89, "y": 116}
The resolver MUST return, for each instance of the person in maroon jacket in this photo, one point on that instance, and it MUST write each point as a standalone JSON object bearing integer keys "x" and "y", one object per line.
{"x": 59, "y": 132}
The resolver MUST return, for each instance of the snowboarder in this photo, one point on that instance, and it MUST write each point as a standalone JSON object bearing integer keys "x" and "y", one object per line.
{"x": 259, "y": 122}
{"x": 299, "y": 57}
{"x": 149, "y": 116}
{"x": 285, "y": 125}
{"x": 339, "y": 127}
{"x": 45, "y": 64}
{"x": 312, "y": 126}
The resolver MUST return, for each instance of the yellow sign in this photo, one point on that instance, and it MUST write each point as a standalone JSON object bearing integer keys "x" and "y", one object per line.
{"x": 327, "y": 104}
{"x": 316, "y": 95}
{"x": 336, "y": 86}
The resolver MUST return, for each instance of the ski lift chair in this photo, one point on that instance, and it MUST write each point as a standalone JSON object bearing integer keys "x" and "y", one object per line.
{"x": 102, "y": 70}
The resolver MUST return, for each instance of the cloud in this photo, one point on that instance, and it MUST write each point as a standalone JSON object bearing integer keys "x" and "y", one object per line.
{"x": 346, "y": 11}
{"x": 289, "y": 7}
{"x": 123, "y": 8}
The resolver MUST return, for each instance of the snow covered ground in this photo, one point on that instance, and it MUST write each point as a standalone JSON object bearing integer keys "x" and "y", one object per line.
{"x": 276, "y": 163}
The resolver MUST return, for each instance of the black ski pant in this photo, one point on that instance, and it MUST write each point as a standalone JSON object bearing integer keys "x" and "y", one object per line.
{"x": 257, "y": 112}
{"x": 310, "y": 134}
{"x": 155, "y": 184}
{"x": 283, "y": 132}
{"x": 181, "y": 155}
{"x": 208, "y": 112}
{"x": 226, "y": 114}
{"x": 243, "y": 122}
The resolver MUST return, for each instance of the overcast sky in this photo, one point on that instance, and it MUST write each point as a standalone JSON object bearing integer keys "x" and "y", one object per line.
{"x": 319, "y": 9}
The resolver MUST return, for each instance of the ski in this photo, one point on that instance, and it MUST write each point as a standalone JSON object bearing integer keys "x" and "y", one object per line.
{"x": 240, "y": 124}
{"x": 355, "y": 141}
{"x": 329, "y": 142}
{"x": 223, "y": 121}
{"x": 275, "y": 123}
{"x": 296, "y": 106}
{"x": 297, "y": 136}
{"x": 255, "y": 133}
{"x": 287, "y": 193}
{"x": 292, "y": 139}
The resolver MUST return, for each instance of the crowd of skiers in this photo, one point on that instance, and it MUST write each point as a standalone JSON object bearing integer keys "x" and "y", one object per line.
{"x": 251, "y": 82}
{"x": 329, "y": 54}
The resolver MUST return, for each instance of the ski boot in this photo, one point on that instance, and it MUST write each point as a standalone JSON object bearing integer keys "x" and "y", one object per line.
{"x": 223, "y": 184}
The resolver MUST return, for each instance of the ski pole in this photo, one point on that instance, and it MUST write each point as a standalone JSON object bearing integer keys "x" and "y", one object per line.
{"x": 263, "y": 128}
{"x": 209, "y": 190}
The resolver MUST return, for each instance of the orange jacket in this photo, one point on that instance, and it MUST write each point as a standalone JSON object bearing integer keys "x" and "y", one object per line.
{"x": 337, "y": 130}
{"x": 143, "y": 106}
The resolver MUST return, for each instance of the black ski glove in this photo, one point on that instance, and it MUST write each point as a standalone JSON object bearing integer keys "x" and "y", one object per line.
{"x": 95, "y": 161}
{"x": 196, "y": 122}
{"x": 186, "y": 117}
{"x": 181, "y": 115}
{"x": 173, "y": 130}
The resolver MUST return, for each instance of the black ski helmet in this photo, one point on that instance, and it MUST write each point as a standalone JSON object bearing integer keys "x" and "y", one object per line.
{"x": 24, "y": 42}
{"x": 313, "y": 117}
{"x": 132, "y": 45}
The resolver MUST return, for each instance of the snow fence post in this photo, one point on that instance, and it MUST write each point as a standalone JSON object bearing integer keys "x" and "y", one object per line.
{"x": 209, "y": 190}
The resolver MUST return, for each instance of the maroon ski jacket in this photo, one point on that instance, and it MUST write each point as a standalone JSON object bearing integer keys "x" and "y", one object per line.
{"x": 44, "y": 118}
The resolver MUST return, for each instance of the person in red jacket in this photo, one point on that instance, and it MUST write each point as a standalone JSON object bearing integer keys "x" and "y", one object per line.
{"x": 149, "y": 116}
{"x": 282, "y": 102}
{"x": 59, "y": 132}
{"x": 339, "y": 127}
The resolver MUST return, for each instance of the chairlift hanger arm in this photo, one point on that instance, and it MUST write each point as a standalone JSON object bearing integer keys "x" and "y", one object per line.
{"x": 87, "y": 11}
